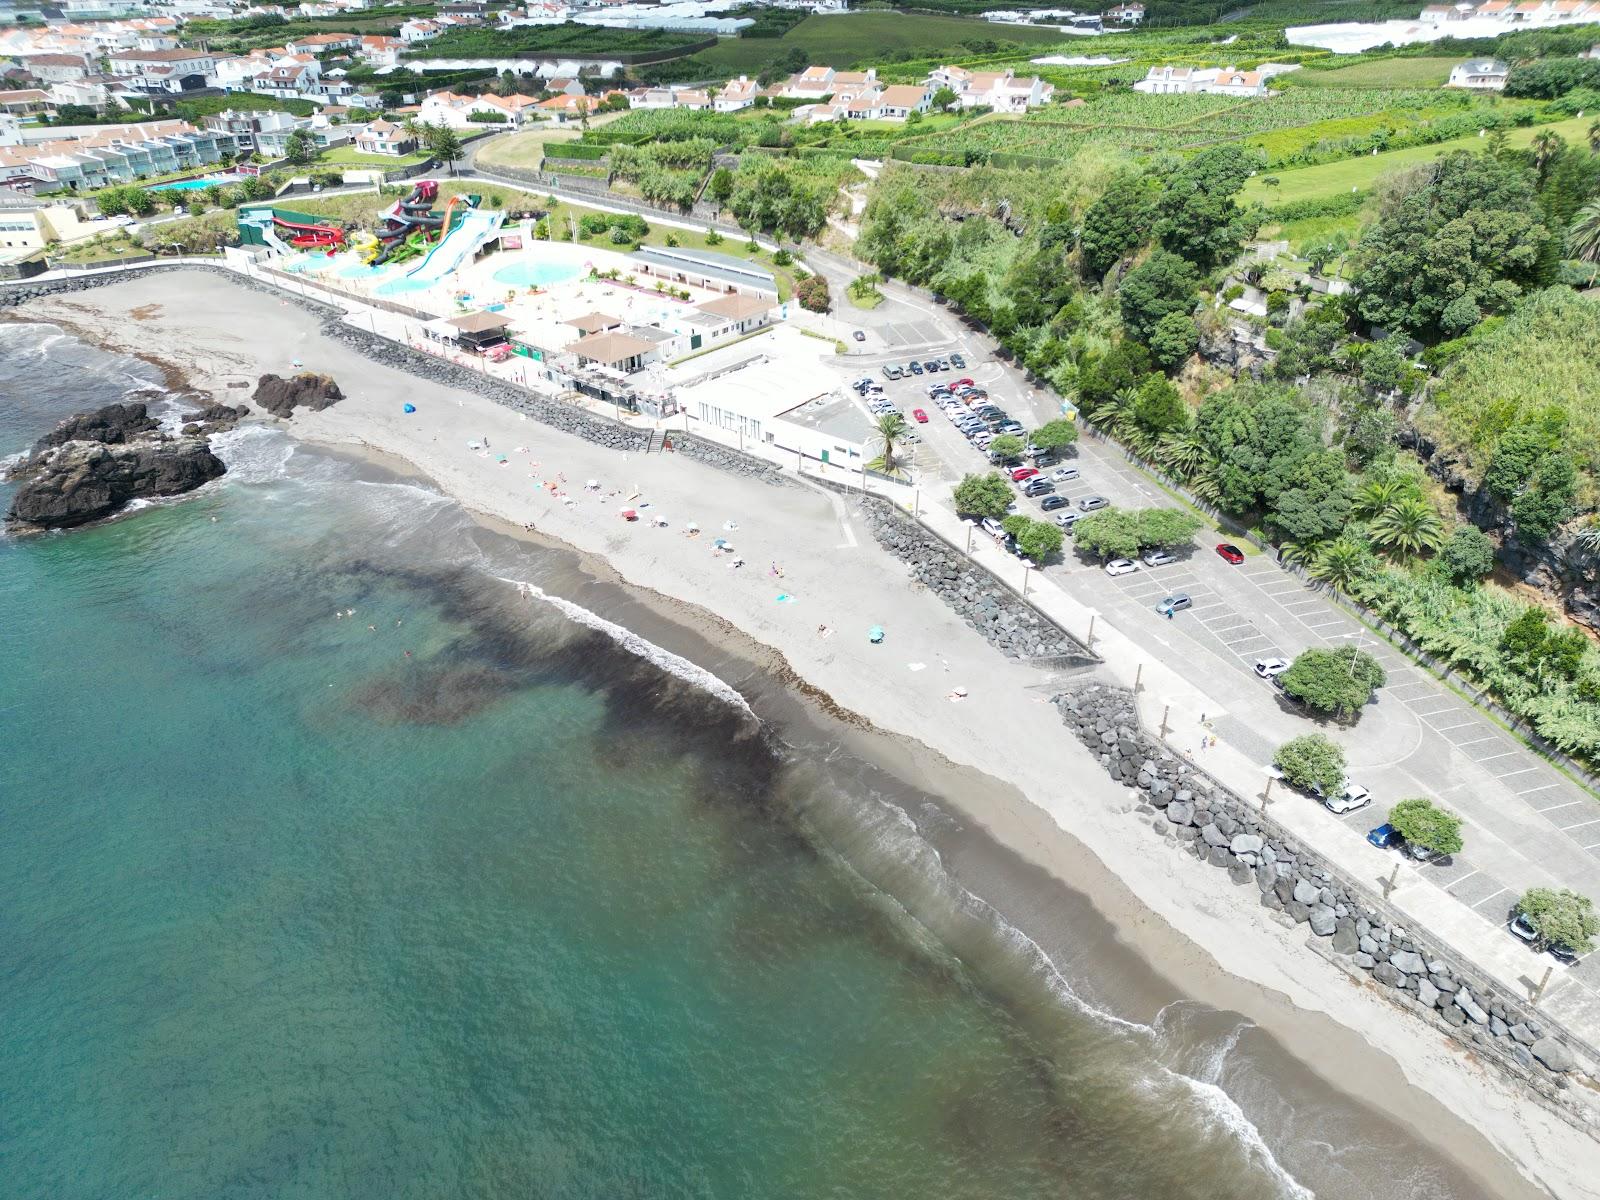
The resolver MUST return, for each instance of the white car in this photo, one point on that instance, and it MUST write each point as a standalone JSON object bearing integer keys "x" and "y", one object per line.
{"x": 1121, "y": 566}
{"x": 1353, "y": 797}
{"x": 1064, "y": 474}
{"x": 1268, "y": 668}
{"x": 1068, "y": 519}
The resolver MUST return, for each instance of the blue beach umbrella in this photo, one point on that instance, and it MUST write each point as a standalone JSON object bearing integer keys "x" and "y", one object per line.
{"x": 409, "y": 408}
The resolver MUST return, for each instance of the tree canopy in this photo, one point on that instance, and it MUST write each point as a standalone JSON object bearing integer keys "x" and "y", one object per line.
{"x": 1337, "y": 681}
{"x": 986, "y": 495}
{"x": 1464, "y": 240}
{"x": 1423, "y": 823}
{"x": 1561, "y": 918}
{"x": 1312, "y": 762}
{"x": 1198, "y": 217}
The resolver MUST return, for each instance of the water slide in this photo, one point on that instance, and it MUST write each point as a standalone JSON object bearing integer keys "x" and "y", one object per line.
{"x": 472, "y": 230}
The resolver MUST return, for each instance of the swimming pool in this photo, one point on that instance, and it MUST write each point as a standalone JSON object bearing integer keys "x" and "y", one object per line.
{"x": 194, "y": 185}
{"x": 531, "y": 272}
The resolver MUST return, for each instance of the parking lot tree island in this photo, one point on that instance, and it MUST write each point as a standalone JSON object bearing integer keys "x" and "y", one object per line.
{"x": 987, "y": 495}
{"x": 1038, "y": 540}
{"x": 1338, "y": 682}
{"x": 1423, "y": 823}
{"x": 1312, "y": 762}
{"x": 1561, "y": 918}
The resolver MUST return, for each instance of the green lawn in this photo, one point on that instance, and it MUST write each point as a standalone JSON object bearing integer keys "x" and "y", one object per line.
{"x": 345, "y": 156}
{"x": 1379, "y": 73}
{"x": 1359, "y": 174}
{"x": 838, "y": 41}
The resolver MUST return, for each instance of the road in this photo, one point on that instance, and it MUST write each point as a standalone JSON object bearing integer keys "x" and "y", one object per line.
{"x": 1525, "y": 823}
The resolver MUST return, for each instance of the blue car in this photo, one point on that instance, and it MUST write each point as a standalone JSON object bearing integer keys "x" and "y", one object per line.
{"x": 1385, "y": 836}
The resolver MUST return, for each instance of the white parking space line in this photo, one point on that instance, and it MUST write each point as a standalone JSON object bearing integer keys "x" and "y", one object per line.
{"x": 1322, "y": 624}
{"x": 1573, "y": 829}
{"x": 1492, "y": 757}
{"x": 1543, "y": 787}
{"x": 1584, "y": 804}
{"x": 1511, "y": 774}
{"x": 1488, "y": 737}
{"x": 1468, "y": 724}
{"x": 1430, "y": 712}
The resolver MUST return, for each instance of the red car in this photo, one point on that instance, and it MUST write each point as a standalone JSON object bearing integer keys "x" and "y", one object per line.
{"x": 962, "y": 383}
{"x": 920, "y": 416}
{"x": 1021, "y": 473}
{"x": 1231, "y": 553}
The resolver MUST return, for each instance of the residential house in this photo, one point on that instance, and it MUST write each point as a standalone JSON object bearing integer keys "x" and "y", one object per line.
{"x": 235, "y": 73}
{"x": 814, "y": 83}
{"x": 898, "y": 101}
{"x": 289, "y": 80}
{"x": 574, "y": 108}
{"x": 246, "y": 126}
{"x": 324, "y": 43}
{"x": 24, "y": 102}
{"x": 57, "y": 68}
{"x": 1001, "y": 91}
{"x": 156, "y": 40}
{"x": 456, "y": 111}
{"x": 1227, "y": 81}
{"x": 1530, "y": 10}
{"x": 1232, "y": 82}
{"x": 92, "y": 91}
{"x": 417, "y": 30}
{"x": 563, "y": 85}
{"x": 112, "y": 154}
{"x": 380, "y": 50}
{"x": 736, "y": 94}
{"x": 387, "y": 138}
{"x": 1481, "y": 74}
{"x": 161, "y": 65}
{"x": 1125, "y": 14}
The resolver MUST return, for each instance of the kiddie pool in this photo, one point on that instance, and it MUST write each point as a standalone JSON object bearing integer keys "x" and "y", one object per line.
{"x": 542, "y": 268}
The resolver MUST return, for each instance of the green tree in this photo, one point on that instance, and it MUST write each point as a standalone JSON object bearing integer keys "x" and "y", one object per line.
{"x": 112, "y": 201}
{"x": 300, "y": 148}
{"x": 1464, "y": 237}
{"x": 721, "y": 185}
{"x": 1165, "y": 527}
{"x": 987, "y": 495}
{"x": 1561, "y": 918}
{"x": 1198, "y": 217}
{"x": 1549, "y": 500}
{"x": 1312, "y": 497}
{"x": 138, "y": 201}
{"x": 1423, "y": 823}
{"x": 812, "y": 292}
{"x": 1055, "y": 435}
{"x": 1312, "y": 762}
{"x": 1174, "y": 339}
{"x": 942, "y": 99}
{"x": 1006, "y": 446}
{"x": 442, "y": 142}
{"x": 1039, "y": 540}
{"x": 891, "y": 430}
{"x": 1337, "y": 681}
{"x": 1163, "y": 284}
{"x": 1583, "y": 235}
{"x": 1343, "y": 563}
{"x": 1109, "y": 533}
{"x": 1467, "y": 555}
{"x": 1119, "y": 222}
{"x": 1408, "y": 526}
{"x": 1541, "y": 652}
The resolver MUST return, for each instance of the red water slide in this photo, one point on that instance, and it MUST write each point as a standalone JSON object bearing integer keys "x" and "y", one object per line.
{"x": 306, "y": 236}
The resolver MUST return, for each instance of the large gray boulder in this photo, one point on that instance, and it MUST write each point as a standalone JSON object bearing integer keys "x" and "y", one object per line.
{"x": 1344, "y": 937}
{"x": 1408, "y": 962}
{"x": 1475, "y": 1011}
{"x": 1427, "y": 993}
{"x": 1322, "y": 920}
{"x": 1245, "y": 843}
{"x": 1553, "y": 1054}
{"x": 1306, "y": 892}
{"x": 1180, "y": 813}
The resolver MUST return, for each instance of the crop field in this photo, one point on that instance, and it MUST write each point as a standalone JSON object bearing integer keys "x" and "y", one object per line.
{"x": 1359, "y": 174}
{"x": 1380, "y": 73}
{"x": 842, "y": 39}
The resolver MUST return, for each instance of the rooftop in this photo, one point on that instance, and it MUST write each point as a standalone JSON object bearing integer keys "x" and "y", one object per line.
{"x": 722, "y": 265}
{"x": 610, "y": 348}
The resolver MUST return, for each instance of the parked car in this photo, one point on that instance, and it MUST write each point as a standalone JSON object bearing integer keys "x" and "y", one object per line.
{"x": 1021, "y": 473}
{"x": 920, "y": 417}
{"x": 1012, "y": 427}
{"x": 1121, "y": 566}
{"x": 1387, "y": 837}
{"x": 957, "y": 361}
{"x": 859, "y": 336}
{"x": 893, "y": 372}
{"x": 1271, "y": 668}
{"x": 1231, "y": 553}
{"x": 1064, "y": 474}
{"x": 1051, "y": 503}
{"x": 1159, "y": 558}
{"x": 1067, "y": 519}
{"x": 915, "y": 368}
{"x": 1521, "y": 927}
{"x": 1038, "y": 487}
{"x": 930, "y": 365}
{"x": 961, "y": 383}
{"x": 993, "y": 528}
{"x": 1353, "y": 796}
{"x": 1090, "y": 503}
{"x": 1176, "y": 602}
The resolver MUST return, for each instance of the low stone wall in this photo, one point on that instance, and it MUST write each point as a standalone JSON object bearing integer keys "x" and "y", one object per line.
{"x": 1008, "y": 622}
{"x": 1346, "y": 924}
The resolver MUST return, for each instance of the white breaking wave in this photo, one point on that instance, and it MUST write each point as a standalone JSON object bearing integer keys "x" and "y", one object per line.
{"x": 253, "y": 453}
{"x": 671, "y": 663}
{"x": 1222, "y": 1111}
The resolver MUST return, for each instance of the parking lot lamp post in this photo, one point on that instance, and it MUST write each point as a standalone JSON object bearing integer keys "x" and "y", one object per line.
{"x": 1266, "y": 794}
{"x": 1138, "y": 674}
{"x": 969, "y": 541}
{"x": 1543, "y": 983}
{"x": 1088, "y": 642}
{"x": 1026, "y": 571}
{"x": 1166, "y": 710}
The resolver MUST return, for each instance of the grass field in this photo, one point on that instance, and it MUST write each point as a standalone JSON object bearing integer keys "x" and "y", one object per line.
{"x": 1359, "y": 174}
{"x": 523, "y": 149}
{"x": 838, "y": 41}
{"x": 1379, "y": 73}
{"x": 345, "y": 156}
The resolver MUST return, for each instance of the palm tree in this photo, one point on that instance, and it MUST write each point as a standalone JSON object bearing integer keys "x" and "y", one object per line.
{"x": 1182, "y": 452}
{"x": 1583, "y": 235}
{"x": 1380, "y": 494}
{"x": 890, "y": 429}
{"x": 1594, "y": 137}
{"x": 1342, "y": 563}
{"x": 1546, "y": 146}
{"x": 1408, "y": 526}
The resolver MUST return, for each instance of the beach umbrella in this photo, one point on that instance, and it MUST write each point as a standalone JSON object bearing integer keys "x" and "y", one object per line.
{"x": 408, "y": 408}
{"x": 875, "y": 635}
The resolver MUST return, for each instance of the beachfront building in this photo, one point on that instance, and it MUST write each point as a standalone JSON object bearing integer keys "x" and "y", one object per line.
{"x": 28, "y": 225}
{"x": 624, "y": 352}
{"x": 705, "y": 269}
{"x": 1480, "y": 74}
{"x": 754, "y": 403}
{"x": 106, "y": 155}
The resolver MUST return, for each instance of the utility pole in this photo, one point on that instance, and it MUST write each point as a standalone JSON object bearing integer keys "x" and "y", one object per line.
{"x": 1266, "y": 794}
{"x": 1538, "y": 992}
{"x": 1166, "y": 710}
{"x": 1138, "y": 675}
{"x": 1089, "y": 642}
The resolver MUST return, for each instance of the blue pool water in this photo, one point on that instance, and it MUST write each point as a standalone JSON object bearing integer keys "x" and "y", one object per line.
{"x": 531, "y": 273}
{"x": 192, "y": 185}
{"x": 396, "y": 287}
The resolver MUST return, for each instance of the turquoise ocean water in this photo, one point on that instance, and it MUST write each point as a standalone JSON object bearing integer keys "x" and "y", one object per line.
{"x": 458, "y": 895}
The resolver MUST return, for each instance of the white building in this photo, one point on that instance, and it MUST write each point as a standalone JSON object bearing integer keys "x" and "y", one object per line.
{"x": 1181, "y": 81}
{"x": 1001, "y": 91}
{"x": 1482, "y": 74}
{"x": 736, "y": 94}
